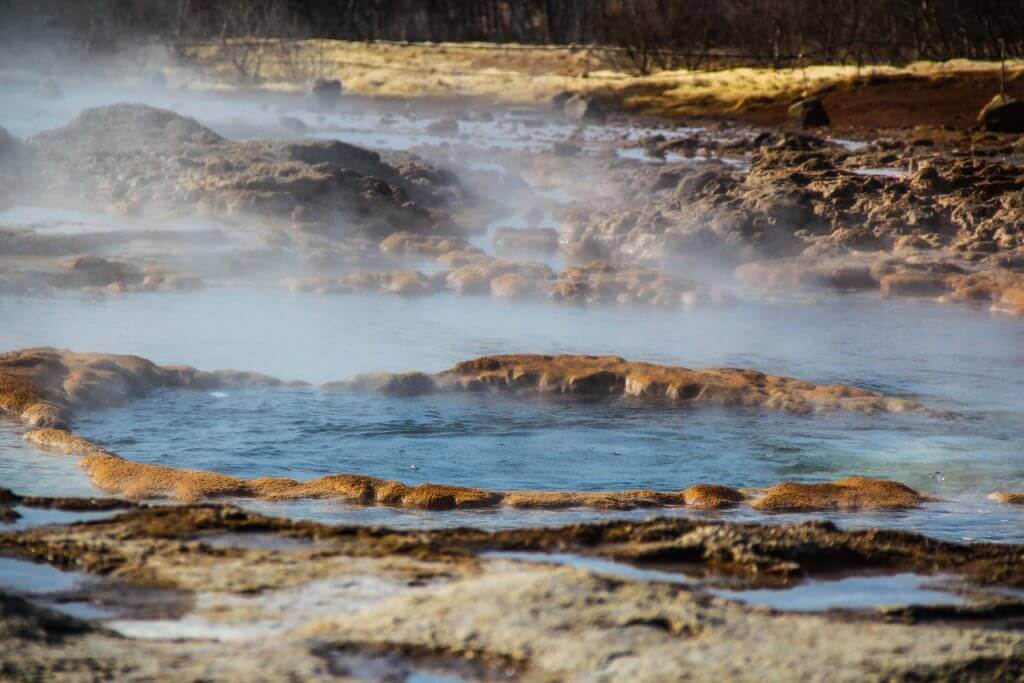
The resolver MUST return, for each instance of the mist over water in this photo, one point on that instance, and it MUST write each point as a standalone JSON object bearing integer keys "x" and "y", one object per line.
{"x": 956, "y": 358}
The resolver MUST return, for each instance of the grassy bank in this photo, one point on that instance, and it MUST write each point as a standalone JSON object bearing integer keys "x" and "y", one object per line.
{"x": 925, "y": 93}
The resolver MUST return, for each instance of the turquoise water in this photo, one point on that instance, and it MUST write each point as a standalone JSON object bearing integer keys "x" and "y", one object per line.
{"x": 963, "y": 360}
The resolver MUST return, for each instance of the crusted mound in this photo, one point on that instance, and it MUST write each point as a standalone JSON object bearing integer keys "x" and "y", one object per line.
{"x": 854, "y": 493}
{"x": 61, "y": 441}
{"x": 614, "y": 376}
{"x": 712, "y": 496}
{"x": 44, "y": 385}
{"x": 115, "y": 474}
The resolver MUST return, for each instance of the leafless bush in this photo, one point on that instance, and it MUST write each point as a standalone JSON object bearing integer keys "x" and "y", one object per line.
{"x": 646, "y": 34}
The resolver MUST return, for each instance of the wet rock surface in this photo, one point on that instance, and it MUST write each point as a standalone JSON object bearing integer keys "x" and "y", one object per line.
{"x": 433, "y": 602}
{"x": 894, "y": 217}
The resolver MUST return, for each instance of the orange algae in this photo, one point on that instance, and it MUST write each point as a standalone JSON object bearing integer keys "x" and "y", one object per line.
{"x": 1008, "y": 497}
{"x": 614, "y": 376}
{"x": 853, "y": 493}
{"x": 61, "y": 441}
{"x": 712, "y": 496}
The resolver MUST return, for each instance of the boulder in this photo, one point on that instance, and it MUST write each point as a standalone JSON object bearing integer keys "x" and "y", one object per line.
{"x": 584, "y": 109}
{"x": 96, "y": 271}
{"x": 327, "y": 92}
{"x": 809, "y": 113}
{"x": 1003, "y": 115}
{"x": 559, "y": 99}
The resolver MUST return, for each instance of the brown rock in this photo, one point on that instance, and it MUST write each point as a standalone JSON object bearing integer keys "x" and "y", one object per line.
{"x": 809, "y": 113}
{"x": 1002, "y": 115}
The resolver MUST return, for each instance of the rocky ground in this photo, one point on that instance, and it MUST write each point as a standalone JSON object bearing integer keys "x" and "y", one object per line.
{"x": 265, "y": 599}
{"x": 906, "y": 215}
{"x": 730, "y": 211}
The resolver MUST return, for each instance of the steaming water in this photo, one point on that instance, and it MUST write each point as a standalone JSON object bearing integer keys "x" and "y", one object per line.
{"x": 948, "y": 357}
{"x": 955, "y": 358}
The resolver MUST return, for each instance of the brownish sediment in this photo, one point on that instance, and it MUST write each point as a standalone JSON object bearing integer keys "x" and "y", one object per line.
{"x": 118, "y": 475}
{"x": 475, "y": 273}
{"x": 1008, "y": 497}
{"x": 51, "y": 383}
{"x": 602, "y": 500}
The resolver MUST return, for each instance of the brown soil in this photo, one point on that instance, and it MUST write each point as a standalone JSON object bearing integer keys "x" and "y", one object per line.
{"x": 880, "y": 102}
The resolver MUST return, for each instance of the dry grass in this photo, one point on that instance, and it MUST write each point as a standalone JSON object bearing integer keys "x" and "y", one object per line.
{"x": 516, "y": 74}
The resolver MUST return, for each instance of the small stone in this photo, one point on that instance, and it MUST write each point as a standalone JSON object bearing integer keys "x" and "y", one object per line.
{"x": 809, "y": 113}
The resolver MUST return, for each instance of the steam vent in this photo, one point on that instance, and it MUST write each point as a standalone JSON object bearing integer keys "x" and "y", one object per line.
{"x": 493, "y": 341}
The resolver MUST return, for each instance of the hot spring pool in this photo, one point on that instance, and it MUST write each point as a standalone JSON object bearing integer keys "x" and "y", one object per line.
{"x": 965, "y": 361}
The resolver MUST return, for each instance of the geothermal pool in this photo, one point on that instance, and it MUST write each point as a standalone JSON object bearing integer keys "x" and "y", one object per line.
{"x": 959, "y": 360}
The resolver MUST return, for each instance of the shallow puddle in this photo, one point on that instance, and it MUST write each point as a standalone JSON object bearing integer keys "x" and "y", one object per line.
{"x": 811, "y": 595}
{"x": 36, "y": 517}
{"x": 596, "y": 565}
{"x": 851, "y": 592}
{"x": 24, "y": 576}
